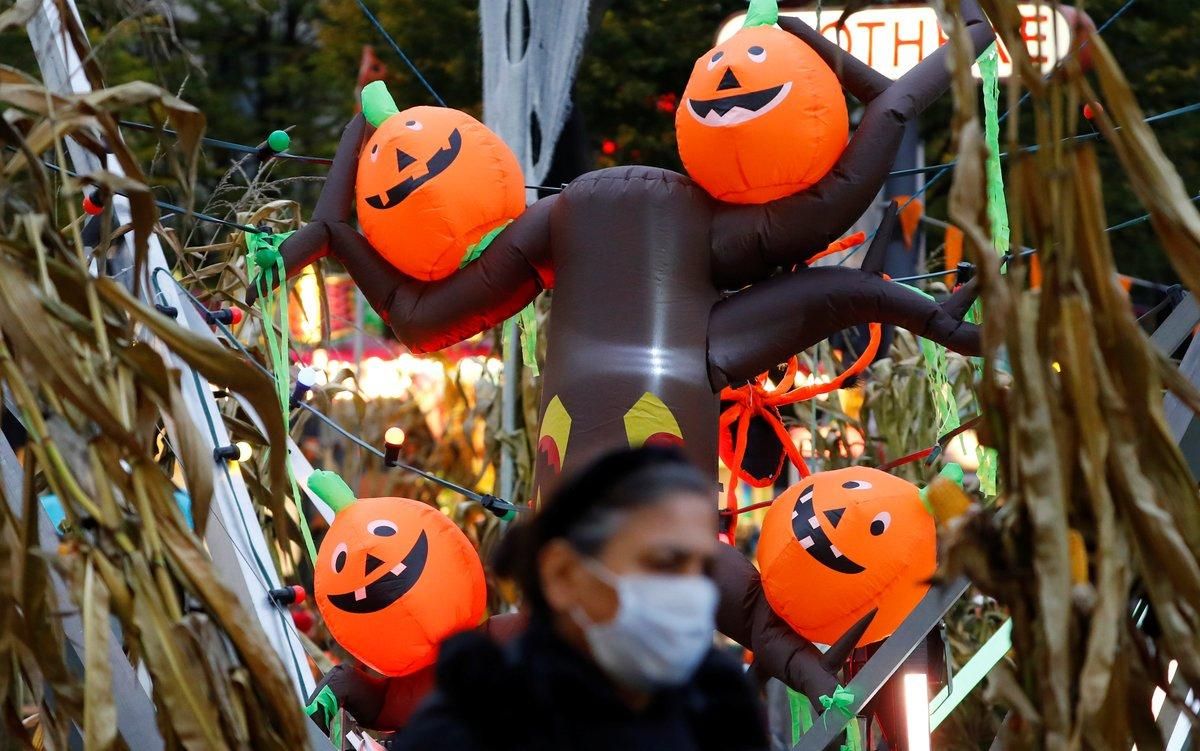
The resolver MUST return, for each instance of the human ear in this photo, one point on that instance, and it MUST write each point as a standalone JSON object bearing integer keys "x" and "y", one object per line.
{"x": 560, "y": 574}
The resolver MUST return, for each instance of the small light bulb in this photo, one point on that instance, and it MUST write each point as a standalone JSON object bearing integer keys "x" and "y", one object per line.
{"x": 305, "y": 380}
{"x": 1057, "y": 368}
{"x": 393, "y": 439}
{"x": 244, "y": 451}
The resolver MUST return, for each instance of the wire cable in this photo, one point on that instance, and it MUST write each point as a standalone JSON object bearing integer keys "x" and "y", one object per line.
{"x": 175, "y": 208}
{"x": 1030, "y": 251}
{"x": 1188, "y": 109}
{"x": 487, "y": 500}
{"x": 1025, "y": 97}
{"x": 371, "y": 17}
{"x": 230, "y": 145}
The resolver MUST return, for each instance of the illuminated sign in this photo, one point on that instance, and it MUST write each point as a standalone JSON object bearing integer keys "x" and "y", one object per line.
{"x": 893, "y": 39}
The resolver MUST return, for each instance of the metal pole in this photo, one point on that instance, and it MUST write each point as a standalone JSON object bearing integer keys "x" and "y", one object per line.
{"x": 360, "y": 320}
{"x": 517, "y": 34}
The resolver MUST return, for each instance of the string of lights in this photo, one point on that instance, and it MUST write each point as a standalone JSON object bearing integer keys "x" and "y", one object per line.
{"x": 393, "y": 440}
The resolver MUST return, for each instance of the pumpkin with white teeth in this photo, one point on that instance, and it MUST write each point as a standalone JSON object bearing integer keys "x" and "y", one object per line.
{"x": 841, "y": 543}
{"x": 394, "y": 577}
{"x": 762, "y": 117}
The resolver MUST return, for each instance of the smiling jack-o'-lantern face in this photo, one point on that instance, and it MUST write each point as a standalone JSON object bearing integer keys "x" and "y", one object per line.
{"x": 431, "y": 183}
{"x": 394, "y": 577}
{"x": 841, "y": 543}
{"x": 762, "y": 117}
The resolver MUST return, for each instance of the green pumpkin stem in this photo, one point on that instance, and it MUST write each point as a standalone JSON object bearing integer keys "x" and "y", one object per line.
{"x": 332, "y": 489}
{"x": 377, "y": 103}
{"x": 762, "y": 13}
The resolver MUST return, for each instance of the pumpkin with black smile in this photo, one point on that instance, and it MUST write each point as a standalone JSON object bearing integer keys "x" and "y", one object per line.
{"x": 394, "y": 577}
{"x": 388, "y": 588}
{"x": 841, "y": 543}
{"x": 420, "y": 161}
{"x": 435, "y": 166}
{"x": 760, "y": 89}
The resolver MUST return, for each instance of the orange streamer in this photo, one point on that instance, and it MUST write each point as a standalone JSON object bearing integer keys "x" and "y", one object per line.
{"x": 837, "y": 246}
{"x": 757, "y": 398}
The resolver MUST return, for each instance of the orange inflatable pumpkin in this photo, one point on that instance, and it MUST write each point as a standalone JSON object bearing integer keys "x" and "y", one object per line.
{"x": 762, "y": 115}
{"x": 840, "y": 543}
{"x": 394, "y": 578}
{"x": 413, "y": 174}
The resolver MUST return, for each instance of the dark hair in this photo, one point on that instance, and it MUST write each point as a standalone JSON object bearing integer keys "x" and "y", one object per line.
{"x": 588, "y": 508}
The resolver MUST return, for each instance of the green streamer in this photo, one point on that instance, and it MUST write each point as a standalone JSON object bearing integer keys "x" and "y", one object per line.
{"x": 326, "y": 703}
{"x": 940, "y": 388}
{"x": 839, "y": 702}
{"x": 526, "y": 320}
{"x": 265, "y": 260}
{"x": 800, "y": 709}
{"x": 944, "y": 402}
{"x": 476, "y": 249}
{"x": 997, "y": 206}
{"x": 997, "y": 217}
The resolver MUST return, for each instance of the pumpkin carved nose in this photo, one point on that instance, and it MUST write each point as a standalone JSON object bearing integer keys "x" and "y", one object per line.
{"x": 728, "y": 81}
{"x": 403, "y": 159}
{"x": 372, "y": 564}
{"x": 834, "y": 515}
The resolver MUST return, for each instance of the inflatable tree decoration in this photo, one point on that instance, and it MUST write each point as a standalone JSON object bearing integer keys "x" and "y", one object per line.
{"x": 644, "y": 334}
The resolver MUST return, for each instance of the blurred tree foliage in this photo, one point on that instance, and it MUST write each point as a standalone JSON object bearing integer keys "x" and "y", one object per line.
{"x": 256, "y": 66}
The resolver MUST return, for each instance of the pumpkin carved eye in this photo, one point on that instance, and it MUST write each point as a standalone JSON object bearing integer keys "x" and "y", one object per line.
{"x": 381, "y": 528}
{"x": 757, "y": 54}
{"x": 340, "y": 553}
{"x": 414, "y": 125}
{"x": 716, "y": 58}
{"x": 880, "y": 523}
{"x": 857, "y": 485}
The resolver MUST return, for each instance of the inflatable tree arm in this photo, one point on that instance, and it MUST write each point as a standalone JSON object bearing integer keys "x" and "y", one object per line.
{"x": 751, "y": 240}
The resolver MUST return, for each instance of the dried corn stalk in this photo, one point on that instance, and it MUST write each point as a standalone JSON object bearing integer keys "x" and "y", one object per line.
{"x": 1087, "y": 448}
{"x": 94, "y": 398}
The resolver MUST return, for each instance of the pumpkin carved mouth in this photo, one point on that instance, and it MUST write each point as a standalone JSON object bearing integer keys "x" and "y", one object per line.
{"x": 807, "y": 528}
{"x": 724, "y": 111}
{"x": 391, "y": 586}
{"x": 437, "y": 164}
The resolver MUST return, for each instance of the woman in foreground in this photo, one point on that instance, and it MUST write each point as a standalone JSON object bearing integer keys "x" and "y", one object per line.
{"x": 618, "y": 653}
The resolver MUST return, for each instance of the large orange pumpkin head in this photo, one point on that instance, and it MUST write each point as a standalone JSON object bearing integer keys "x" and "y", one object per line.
{"x": 762, "y": 116}
{"x": 432, "y": 183}
{"x": 841, "y": 543}
{"x": 394, "y": 577}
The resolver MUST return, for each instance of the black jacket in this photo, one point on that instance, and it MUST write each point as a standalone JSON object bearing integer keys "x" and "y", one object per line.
{"x": 540, "y": 694}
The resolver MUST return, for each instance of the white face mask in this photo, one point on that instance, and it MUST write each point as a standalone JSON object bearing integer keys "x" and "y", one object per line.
{"x": 663, "y": 628}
